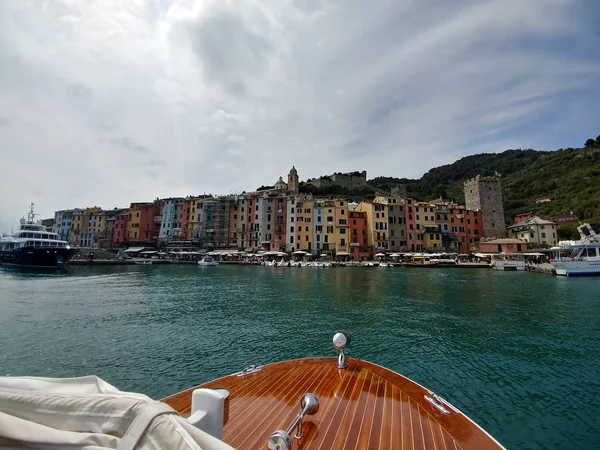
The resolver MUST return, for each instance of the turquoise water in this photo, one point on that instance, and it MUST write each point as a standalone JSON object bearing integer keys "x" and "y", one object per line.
{"x": 517, "y": 352}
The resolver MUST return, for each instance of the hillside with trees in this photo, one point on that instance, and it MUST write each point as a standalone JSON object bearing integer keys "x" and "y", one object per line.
{"x": 569, "y": 178}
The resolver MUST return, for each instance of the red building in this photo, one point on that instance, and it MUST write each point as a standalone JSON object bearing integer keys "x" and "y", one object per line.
{"x": 278, "y": 242}
{"x": 467, "y": 226}
{"x": 359, "y": 243}
{"x": 120, "y": 231}
{"x": 147, "y": 231}
{"x": 523, "y": 217}
{"x": 412, "y": 234}
{"x": 474, "y": 228}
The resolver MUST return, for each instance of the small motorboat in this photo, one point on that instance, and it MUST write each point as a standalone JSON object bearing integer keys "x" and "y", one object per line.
{"x": 207, "y": 261}
{"x": 143, "y": 263}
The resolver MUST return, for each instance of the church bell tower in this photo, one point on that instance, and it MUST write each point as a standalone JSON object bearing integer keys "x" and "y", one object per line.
{"x": 293, "y": 180}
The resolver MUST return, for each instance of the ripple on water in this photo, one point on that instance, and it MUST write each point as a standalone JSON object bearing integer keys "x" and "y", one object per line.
{"x": 516, "y": 352}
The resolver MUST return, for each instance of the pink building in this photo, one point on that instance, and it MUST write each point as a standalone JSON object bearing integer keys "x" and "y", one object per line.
{"x": 278, "y": 241}
{"x": 503, "y": 246}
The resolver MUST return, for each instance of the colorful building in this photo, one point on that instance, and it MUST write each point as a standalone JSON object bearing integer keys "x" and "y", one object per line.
{"x": 377, "y": 219}
{"x": 279, "y": 237}
{"x": 304, "y": 229}
{"x": 341, "y": 228}
{"x": 145, "y": 232}
{"x": 397, "y": 224}
{"x": 359, "y": 236}
{"x": 133, "y": 223}
{"x": 120, "y": 230}
{"x": 412, "y": 234}
{"x": 502, "y": 246}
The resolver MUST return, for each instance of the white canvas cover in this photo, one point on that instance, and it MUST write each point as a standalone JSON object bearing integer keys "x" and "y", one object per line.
{"x": 88, "y": 413}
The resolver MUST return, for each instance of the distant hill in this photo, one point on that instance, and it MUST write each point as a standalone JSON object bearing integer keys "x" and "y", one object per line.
{"x": 570, "y": 178}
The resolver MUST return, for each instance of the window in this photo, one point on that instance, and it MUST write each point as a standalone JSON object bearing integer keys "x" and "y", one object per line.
{"x": 543, "y": 235}
{"x": 343, "y": 241}
{"x": 342, "y": 231}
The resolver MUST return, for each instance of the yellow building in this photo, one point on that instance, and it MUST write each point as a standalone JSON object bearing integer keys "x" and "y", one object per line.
{"x": 77, "y": 225}
{"x": 193, "y": 217}
{"x": 377, "y": 222}
{"x": 342, "y": 227}
{"x": 432, "y": 238}
{"x": 304, "y": 226}
{"x": 133, "y": 225}
{"x": 96, "y": 219}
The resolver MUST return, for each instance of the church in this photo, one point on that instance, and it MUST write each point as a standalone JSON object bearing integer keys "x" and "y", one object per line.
{"x": 292, "y": 183}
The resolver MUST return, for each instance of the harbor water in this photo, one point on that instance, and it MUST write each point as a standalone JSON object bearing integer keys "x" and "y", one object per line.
{"x": 517, "y": 352}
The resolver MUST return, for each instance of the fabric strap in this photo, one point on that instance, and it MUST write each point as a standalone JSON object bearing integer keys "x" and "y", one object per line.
{"x": 139, "y": 425}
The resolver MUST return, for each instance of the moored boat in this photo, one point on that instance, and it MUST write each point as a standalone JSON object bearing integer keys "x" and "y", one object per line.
{"x": 33, "y": 246}
{"x": 584, "y": 259}
{"x": 208, "y": 261}
{"x": 419, "y": 260}
{"x": 508, "y": 261}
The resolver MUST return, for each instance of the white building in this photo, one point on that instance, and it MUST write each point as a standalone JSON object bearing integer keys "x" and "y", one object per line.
{"x": 535, "y": 231}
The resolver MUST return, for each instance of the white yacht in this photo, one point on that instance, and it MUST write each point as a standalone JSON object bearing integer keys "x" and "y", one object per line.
{"x": 34, "y": 246}
{"x": 585, "y": 255}
{"x": 207, "y": 261}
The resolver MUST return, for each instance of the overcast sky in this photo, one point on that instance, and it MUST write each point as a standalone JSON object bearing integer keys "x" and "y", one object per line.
{"x": 106, "y": 102}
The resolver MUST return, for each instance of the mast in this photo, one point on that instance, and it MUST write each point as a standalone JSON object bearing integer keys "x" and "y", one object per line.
{"x": 31, "y": 215}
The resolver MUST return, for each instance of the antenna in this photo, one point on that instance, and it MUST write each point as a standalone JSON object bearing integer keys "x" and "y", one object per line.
{"x": 31, "y": 215}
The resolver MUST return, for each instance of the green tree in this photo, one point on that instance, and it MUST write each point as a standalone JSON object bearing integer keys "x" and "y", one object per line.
{"x": 598, "y": 141}
{"x": 590, "y": 143}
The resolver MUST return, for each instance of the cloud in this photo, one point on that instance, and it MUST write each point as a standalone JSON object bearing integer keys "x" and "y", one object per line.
{"x": 106, "y": 102}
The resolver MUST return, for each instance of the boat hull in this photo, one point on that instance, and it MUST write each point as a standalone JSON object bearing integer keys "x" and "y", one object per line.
{"x": 34, "y": 257}
{"x": 577, "y": 268}
{"x": 361, "y": 406}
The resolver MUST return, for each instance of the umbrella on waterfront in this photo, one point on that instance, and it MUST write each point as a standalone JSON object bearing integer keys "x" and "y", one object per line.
{"x": 379, "y": 255}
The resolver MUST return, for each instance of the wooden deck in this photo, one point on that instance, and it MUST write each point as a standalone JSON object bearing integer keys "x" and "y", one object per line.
{"x": 363, "y": 406}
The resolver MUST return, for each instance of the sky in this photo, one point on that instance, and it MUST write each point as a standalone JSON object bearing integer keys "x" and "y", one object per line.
{"x": 108, "y": 102}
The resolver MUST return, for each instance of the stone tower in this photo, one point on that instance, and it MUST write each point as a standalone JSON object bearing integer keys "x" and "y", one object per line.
{"x": 293, "y": 180}
{"x": 485, "y": 194}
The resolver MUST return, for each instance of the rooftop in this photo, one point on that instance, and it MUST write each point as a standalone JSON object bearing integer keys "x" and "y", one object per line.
{"x": 535, "y": 220}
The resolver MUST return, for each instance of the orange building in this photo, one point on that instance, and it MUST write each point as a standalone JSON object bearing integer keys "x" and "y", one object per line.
{"x": 359, "y": 236}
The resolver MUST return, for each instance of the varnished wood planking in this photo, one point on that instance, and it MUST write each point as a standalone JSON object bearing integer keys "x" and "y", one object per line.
{"x": 362, "y": 406}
